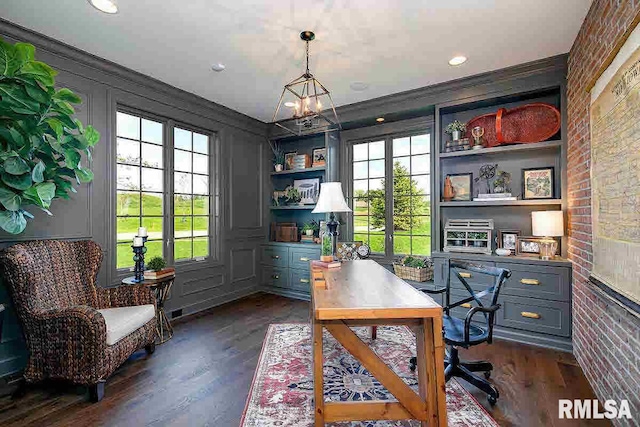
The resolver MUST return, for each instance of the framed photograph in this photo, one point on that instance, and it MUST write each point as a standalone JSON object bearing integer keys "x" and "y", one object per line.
{"x": 319, "y": 156}
{"x": 309, "y": 190}
{"x": 527, "y": 246}
{"x": 508, "y": 239}
{"x": 538, "y": 183}
{"x": 462, "y": 186}
{"x": 288, "y": 160}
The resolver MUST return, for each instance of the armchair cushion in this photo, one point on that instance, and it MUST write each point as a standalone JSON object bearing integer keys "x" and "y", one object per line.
{"x": 122, "y": 321}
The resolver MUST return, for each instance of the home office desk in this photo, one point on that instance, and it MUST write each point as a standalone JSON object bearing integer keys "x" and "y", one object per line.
{"x": 363, "y": 293}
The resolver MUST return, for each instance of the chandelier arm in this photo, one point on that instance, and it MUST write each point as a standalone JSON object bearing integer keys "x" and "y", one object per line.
{"x": 278, "y": 107}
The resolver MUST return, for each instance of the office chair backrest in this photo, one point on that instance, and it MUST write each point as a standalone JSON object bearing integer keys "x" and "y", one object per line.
{"x": 500, "y": 276}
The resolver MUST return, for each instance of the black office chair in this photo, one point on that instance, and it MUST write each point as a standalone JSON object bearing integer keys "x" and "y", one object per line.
{"x": 462, "y": 333}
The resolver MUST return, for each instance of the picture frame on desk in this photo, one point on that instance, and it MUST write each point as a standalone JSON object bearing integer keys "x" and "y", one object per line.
{"x": 529, "y": 246}
{"x": 508, "y": 239}
{"x": 288, "y": 160}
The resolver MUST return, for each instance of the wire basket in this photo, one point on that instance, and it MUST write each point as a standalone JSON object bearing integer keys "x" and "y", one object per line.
{"x": 413, "y": 273}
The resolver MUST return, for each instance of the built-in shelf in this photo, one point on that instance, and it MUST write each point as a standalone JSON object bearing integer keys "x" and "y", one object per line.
{"x": 300, "y": 171}
{"x": 502, "y": 203}
{"x": 292, "y": 207}
{"x": 504, "y": 149}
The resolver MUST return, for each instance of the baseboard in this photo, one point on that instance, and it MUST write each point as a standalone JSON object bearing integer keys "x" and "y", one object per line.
{"x": 531, "y": 338}
{"x": 286, "y": 293}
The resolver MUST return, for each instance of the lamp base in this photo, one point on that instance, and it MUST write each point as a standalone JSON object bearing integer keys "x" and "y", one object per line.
{"x": 548, "y": 248}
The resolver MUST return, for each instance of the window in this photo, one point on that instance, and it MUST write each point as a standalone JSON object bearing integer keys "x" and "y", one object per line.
{"x": 143, "y": 196}
{"x": 391, "y": 194}
{"x": 191, "y": 194}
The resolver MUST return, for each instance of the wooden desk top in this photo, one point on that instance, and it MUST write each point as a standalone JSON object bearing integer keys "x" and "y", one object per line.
{"x": 366, "y": 290}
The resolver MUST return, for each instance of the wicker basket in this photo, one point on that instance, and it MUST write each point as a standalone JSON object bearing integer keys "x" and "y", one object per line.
{"x": 413, "y": 273}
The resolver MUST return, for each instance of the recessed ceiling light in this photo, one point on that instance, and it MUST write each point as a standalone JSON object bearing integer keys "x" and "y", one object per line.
{"x": 289, "y": 104}
{"x": 218, "y": 67}
{"x": 380, "y": 119}
{"x": 457, "y": 60}
{"x": 106, "y": 6}
{"x": 359, "y": 86}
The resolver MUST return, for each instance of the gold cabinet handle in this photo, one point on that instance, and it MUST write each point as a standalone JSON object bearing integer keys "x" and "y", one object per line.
{"x": 304, "y": 280}
{"x": 465, "y": 275}
{"x": 530, "y": 315}
{"x": 530, "y": 281}
{"x": 275, "y": 276}
{"x": 275, "y": 256}
{"x": 465, "y": 305}
{"x": 304, "y": 259}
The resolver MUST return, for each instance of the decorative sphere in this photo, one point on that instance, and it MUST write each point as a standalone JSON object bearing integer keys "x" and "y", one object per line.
{"x": 136, "y": 258}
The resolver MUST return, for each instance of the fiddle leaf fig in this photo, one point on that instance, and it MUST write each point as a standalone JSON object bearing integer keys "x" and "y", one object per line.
{"x": 42, "y": 146}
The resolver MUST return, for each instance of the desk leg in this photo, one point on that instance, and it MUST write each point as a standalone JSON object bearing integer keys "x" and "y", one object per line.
{"x": 430, "y": 355}
{"x": 318, "y": 380}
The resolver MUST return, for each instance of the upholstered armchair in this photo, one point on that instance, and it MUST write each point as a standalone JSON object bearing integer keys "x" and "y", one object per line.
{"x": 75, "y": 330}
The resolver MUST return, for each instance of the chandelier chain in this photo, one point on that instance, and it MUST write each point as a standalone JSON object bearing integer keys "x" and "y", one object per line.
{"x": 307, "y": 57}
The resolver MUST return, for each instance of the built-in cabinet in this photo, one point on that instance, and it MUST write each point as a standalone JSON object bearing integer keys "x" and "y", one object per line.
{"x": 284, "y": 268}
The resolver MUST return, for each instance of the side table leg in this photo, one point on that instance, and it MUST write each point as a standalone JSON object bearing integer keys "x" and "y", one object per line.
{"x": 318, "y": 380}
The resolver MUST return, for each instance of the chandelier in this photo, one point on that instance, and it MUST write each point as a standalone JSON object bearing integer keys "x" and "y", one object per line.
{"x": 300, "y": 108}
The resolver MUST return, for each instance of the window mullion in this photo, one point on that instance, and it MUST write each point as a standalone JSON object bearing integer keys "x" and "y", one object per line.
{"x": 388, "y": 244}
{"x": 169, "y": 204}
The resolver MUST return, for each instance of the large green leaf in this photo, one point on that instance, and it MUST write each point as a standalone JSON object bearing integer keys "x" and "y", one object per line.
{"x": 39, "y": 71}
{"x": 67, "y": 95}
{"x": 63, "y": 107}
{"x": 37, "y": 174}
{"x": 19, "y": 182}
{"x": 9, "y": 61}
{"x": 71, "y": 158}
{"x": 16, "y": 166}
{"x": 25, "y": 52}
{"x": 36, "y": 92}
{"x": 92, "y": 135}
{"x": 15, "y": 96}
{"x": 12, "y": 222}
{"x": 10, "y": 200}
{"x": 41, "y": 194}
{"x": 56, "y": 126}
{"x": 84, "y": 175}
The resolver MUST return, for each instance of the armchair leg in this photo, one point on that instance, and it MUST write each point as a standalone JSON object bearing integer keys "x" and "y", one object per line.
{"x": 96, "y": 391}
{"x": 150, "y": 348}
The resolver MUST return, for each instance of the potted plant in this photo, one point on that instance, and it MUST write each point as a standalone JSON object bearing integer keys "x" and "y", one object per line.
{"x": 293, "y": 196}
{"x": 44, "y": 149}
{"x": 456, "y": 129}
{"x": 278, "y": 156}
{"x": 419, "y": 269}
{"x": 310, "y": 228}
{"x": 157, "y": 268}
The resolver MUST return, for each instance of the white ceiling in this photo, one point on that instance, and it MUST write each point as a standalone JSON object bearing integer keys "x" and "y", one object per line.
{"x": 392, "y": 46}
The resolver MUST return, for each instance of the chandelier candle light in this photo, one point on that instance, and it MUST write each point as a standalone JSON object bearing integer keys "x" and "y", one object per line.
{"x": 547, "y": 224}
{"x": 304, "y": 97}
{"x": 139, "y": 249}
{"x": 331, "y": 200}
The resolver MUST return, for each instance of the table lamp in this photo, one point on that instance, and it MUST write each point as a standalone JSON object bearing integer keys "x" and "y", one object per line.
{"x": 547, "y": 224}
{"x": 331, "y": 200}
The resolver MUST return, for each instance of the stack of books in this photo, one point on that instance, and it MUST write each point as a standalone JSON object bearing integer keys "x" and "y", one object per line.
{"x": 307, "y": 239}
{"x": 322, "y": 264}
{"x": 494, "y": 197}
{"x": 155, "y": 275}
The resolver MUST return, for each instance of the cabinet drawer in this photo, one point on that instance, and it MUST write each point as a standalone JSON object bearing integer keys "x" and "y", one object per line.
{"x": 538, "y": 282}
{"x": 299, "y": 280}
{"x": 275, "y": 255}
{"x": 531, "y": 314}
{"x": 299, "y": 257}
{"x": 274, "y": 276}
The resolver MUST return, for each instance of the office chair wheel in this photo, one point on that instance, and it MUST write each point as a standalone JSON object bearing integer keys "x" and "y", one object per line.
{"x": 487, "y": 374}
{"x": 493, "y": 399}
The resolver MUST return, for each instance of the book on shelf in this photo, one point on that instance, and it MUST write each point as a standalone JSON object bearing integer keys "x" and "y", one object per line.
{"x": 165, "y": 272}
{"x": 322, "y": 264}
{"x": 318, "y": 164}
{"x": 493, "y": 199}
{"x": 483, "y": 196}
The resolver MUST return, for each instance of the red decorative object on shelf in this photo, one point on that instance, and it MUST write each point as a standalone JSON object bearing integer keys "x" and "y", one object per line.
{"x": 525, "y": 124}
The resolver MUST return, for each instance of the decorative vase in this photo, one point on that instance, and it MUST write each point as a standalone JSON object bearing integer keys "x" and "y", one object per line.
{"x": 448, "y": 192}
{"x": 279, "y": 167}
{"x": 308, "y": 232}
{"x": 456, "y": 135}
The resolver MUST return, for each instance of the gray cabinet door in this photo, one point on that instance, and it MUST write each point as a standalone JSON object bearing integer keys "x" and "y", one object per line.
{"x": 532, "y": 314}
{"x": 538, "y": 282}
{"x": 299, "y": 257}
{"x": 277, "y": 256}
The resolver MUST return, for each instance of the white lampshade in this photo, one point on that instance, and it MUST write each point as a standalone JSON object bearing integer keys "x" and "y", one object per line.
{"x": 331, "y": 199}
{"x": 547, "y": 223}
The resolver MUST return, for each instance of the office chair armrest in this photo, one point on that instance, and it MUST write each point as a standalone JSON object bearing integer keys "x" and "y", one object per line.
{"x": 434, "y": 291}
{"x": 472, "y": 311}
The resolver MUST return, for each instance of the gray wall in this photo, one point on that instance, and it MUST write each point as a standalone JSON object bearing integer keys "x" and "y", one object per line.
{"x": 103, "y": 86}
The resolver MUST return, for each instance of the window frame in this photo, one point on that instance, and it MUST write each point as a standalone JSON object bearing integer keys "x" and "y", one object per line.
{"x": 168, "y": 170}
{"x": 386, "y": 133}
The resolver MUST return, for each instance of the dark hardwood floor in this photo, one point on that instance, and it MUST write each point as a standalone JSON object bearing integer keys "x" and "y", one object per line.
{"x": 202, "y": 377}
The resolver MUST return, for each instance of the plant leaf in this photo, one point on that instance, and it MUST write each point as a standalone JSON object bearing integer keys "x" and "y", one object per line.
{"x": 71, "y": 158}
{"x": 37, "y": 174}
{"x": 56, "y": 126}
{"x": 35, "y": 92}
{"x": 25, "y": 52}
{"x": 64, "y": 107}
{"x": 92, "y": 135}
{"x": 39, "y": 71}
{"x": 16, "y": 166}
{"x": 84, "y": 175}
{"x": 19, "y": 182}
{"x": 12, "y": 222}
{"x": 9, "y": 61}
{"x": 15, "y": 96}
{"x": 10, "y": 200}
{"x": 67, "y": 95}
{"x": 41, "y": 194}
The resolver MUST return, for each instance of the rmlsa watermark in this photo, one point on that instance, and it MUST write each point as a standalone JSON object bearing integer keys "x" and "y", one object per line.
{"x": 590, "y": 409}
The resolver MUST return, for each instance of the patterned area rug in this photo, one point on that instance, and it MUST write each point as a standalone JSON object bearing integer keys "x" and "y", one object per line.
{"x": 282, "y": 389}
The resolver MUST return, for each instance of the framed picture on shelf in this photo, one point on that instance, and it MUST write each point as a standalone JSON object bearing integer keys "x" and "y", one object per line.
{"x": 288, "y": 160}
{"x": 462, "y": 184}
{"x": 319, "y": 156}
{"x": 528, "y": 246}
{"x": 309, "y": 190}
{"x": 508, "y": 239}
{"x": 538, "y": 183}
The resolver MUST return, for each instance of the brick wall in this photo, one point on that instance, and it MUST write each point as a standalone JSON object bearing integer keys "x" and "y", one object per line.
{"x": 606, "y": 338}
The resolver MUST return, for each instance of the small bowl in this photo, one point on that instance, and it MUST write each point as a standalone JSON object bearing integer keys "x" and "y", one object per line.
{"x": 503, "y": 252}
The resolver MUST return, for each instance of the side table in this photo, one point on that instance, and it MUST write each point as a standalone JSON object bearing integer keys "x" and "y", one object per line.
{"x": 160, "y": 288}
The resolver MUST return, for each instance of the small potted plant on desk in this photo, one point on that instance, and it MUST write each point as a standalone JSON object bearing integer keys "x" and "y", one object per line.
{"x": 157, "y": 269}
{"x": 418, "y": 269}
{"x": 278, "y": 156}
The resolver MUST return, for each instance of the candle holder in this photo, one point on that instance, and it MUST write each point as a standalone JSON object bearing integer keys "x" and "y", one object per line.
{"x": 138, "y": 259}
